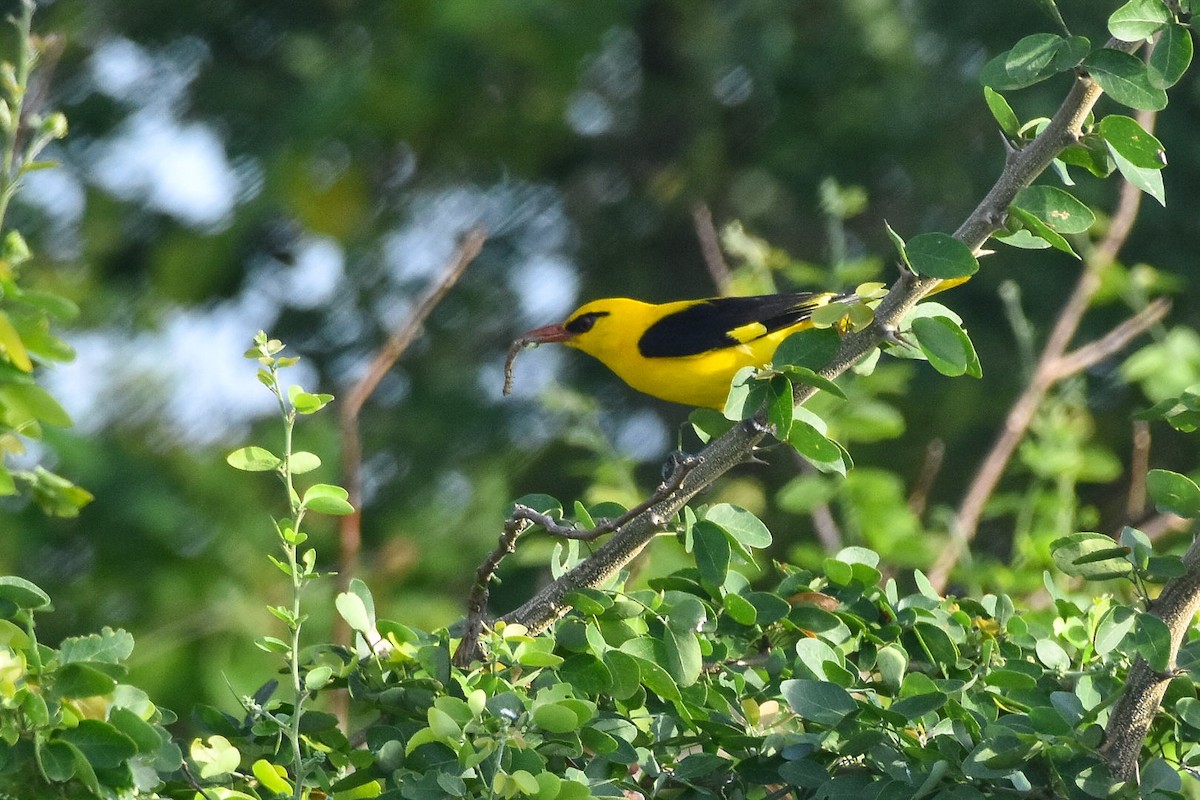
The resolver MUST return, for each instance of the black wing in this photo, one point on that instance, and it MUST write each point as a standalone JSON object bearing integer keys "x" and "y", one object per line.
{"x": 705, "y": 325}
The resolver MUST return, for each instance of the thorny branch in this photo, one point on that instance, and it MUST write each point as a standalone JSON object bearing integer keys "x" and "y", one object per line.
{"x": 524, "y": 517}
{"x": 469, "y": 648}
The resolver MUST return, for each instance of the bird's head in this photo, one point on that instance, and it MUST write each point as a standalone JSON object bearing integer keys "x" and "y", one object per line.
{"x": 595, "y": 328}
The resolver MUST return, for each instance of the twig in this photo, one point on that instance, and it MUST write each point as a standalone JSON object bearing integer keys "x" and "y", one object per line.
{"x": 1139, "y": 465}
{"x": 470, "y": 649}
{"x": 524, "y": 517}
{"x": 931, "y": 465}
{"x": 825, "y": 526}
{"x": 187, "y": 773}
{"x": 668, "y": 487}
{"x": 710, "y": 248}
{"x": 1048, "y": 371}
{"x": 1092, "y": 353}
{"x": 737, "y": 445}
{"x": 1160, "y": 525}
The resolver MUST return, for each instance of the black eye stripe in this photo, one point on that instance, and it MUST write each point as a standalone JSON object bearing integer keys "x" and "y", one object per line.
{"x": 584, "y": 322}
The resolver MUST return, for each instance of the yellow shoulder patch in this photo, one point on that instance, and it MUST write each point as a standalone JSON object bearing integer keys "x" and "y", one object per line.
{"x": 748, "y": 332}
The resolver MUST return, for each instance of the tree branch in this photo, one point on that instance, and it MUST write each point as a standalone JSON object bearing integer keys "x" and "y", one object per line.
{"x": 1144, "y": 688}
{"x": 1050, "y": 369}
{"x": 1021, "y": 168}
{"x": 356, "y": 397}
{"x": 710, "y": 248}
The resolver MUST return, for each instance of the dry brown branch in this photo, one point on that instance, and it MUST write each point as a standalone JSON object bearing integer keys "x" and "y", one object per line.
{"x": 1111, "y": 343}
{"x": 931, "y": 465}
{"x": 1139, "y": 465}
{"x": 735, "y": 447}
{"x": 1050, "y": 368}
{"x": 710, "y": 248}
{"x": 356, "y": 397}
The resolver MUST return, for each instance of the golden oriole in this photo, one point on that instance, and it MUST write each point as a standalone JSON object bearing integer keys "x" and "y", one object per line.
{"x": 687, "y": 351}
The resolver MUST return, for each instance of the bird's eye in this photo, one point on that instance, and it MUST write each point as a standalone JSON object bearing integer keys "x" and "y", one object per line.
{"x": 584, "y": 322}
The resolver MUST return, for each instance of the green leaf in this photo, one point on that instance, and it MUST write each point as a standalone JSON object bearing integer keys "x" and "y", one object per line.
{"x": 806, "y": 377}
{"x": 712, "y": 552}
{"x": 1091, "y": 153}
{"x": 1125, "y": 136}
{"x": 919, "y": 705}
{"x": 1152, "y": 640}
{"x": 780, "y": 406}
{"x": 140, "y": 732}
{"x": 306, "y": 403}
{"x": 1138, "y": 20}
{"x": 1173, "y": 493}
{"x": 1024, "y": 239}
{"x": 253, "y": 459}
{"x": 1041, "y": 230}
{"x": 587, "y": 674}
{"x": 12, "y": 346}
{"x": 708, "y": 423}
{"x": 555, "y": 718}
{"x": 34, "y": 402}
{"x": 812, "y": 348}
{"x": 1125, "y": 79}
{"x": 108, "y": 647}
{"x": 946, "y": 345}
{"x": 818, "y": 701}
{"x": 1089, "y": 555}
{"x": 740, "y": 524}
{"x": 352, "y": 609}
{"x": 325, "y": 498}
{"x": 56, "y": 759}
{"x": 626, "y": 675}
{"x": 1171, "y": 57}
{"x": 687, "y": 615}
{"x": 746, "y": 395}
{"x": 683, "y": 659}
{"x": 82, "y": 680}
{"x": 1058, "y": 209}
{"x": 1051, "y": 653}
{"x": 587, "y": 601}
{"x": 940, "y": 255}
{"x": 22, "y": 593}
{"x": 1188, "y": 709}
{"x": 901, "y": 247}
{"x": 1026, "y": 61}
{"x": 1149, "y": 181}
{"x": 102, "y": 745}
{"x": 1003, "y": 112}
{"x": 655, "y": 678}
{"x": 1113, "y": 628}
{"x": 303, "y": 461}
{"x": 821, "y": 452}
{"x": 740, "y": 610}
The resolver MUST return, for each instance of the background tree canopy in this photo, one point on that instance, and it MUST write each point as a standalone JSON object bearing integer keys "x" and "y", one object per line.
{"x": 307, "y": 167}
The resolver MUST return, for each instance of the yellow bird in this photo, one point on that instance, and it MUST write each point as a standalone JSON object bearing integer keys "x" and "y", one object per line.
{"x": 687, "y": 351}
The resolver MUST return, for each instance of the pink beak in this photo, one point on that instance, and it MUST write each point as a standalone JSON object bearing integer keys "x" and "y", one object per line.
{"x": 545, "y": 334}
